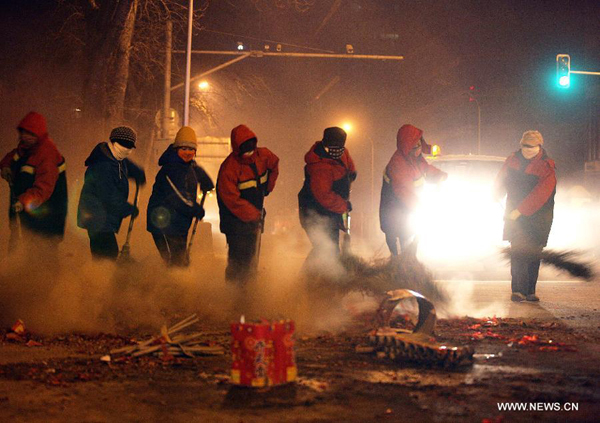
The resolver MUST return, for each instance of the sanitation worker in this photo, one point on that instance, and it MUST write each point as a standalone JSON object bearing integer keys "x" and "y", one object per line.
{"x": 528, "y": 180}
{"x": 406, "y": 172}
{"x": 35, "y": 171}
{"x": 245, "y": 178}
{"x": 103, "y": 203}
{"x": 174, "y": 200}
{"x": 324, "y": 200}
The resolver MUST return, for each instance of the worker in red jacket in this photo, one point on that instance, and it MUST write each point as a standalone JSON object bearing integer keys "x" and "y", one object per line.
{"x": 324, "y": 200}
{"x": 528, "y": 180}
{"x": 404, "y": 175}
{"x": 35, "y": 171}
{"x": 245, "y": 178}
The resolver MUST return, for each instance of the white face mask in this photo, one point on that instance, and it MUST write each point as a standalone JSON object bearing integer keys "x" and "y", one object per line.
{"x": 530, "y": 152}
{"x": 119, "y": 151}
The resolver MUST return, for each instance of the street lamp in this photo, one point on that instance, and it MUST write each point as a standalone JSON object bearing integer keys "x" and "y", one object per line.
{"x": 203, "y": 85}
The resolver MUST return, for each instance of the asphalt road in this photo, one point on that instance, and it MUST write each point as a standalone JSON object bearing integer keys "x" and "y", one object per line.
{"x": 575, "y": 303}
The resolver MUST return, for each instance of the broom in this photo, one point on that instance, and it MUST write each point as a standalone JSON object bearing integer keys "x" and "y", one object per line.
{"x": 376, "y": 277}
{"x": 562, "y": 260}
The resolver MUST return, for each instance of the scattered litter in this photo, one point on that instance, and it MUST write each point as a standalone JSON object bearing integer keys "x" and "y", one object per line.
{"x": 32, "y": 343}
{"x": 168, "y": 345}
{"x": 534, "y": 342}
{"x": 19, "y": 327}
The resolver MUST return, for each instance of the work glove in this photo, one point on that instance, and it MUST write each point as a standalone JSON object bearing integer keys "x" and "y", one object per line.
{"x": 198, "y": 211}
{"x": 7, "y": 174}
{"x": 514, "y": 215}
{"x": 17, "y": 207}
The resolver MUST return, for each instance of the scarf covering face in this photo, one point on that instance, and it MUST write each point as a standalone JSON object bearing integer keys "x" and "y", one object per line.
{"x": 118, "y": 151}
{"x": 334, "y": 152}
{"x": 530, "y": 152}
{"x": 186, "y": 155}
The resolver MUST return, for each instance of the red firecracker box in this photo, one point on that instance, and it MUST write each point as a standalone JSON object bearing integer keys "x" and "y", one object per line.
{"x": 263, "y": 353}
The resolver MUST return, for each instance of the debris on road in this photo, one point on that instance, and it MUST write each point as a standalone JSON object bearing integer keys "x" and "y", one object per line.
{"x": 418, "y": 346}
{"x": 168, "y": 345}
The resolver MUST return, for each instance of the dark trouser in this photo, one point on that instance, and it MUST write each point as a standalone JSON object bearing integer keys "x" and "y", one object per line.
{"x": 524, "y": 265}
{"x": 390, "y": 240}
{"x": 397, "y": 229}
{"x": 172, "y": 249}
{"x": 241, "y": 263}
{"x": 323, "y": 233}
{"x": 103, "y": 245}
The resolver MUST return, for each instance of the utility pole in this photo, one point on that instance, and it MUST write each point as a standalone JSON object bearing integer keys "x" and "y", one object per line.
{"x": 473, "y": 98}
{"x": 167, "y": 94}
{"x": 188, "y": 65}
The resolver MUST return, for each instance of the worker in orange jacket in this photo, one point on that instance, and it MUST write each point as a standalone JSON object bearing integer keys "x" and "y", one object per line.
{"x": 245, "y": 178}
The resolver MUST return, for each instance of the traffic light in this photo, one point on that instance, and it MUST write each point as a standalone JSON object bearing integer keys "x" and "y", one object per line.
{"x": 563, "y": 70}
{"x": 472, "y": 93}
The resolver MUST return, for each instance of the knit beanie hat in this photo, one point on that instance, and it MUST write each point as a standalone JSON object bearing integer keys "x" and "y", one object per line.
{"x": 186, "y": 137}
{"x": 334, "y": 137}
{"x": 124, "y": 133}
{"x": 532, "y": 138}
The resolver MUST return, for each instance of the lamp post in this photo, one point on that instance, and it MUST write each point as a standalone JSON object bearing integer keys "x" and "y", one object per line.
{"x": 478, "y": 126}
{"x": 188, "y": 65}
{"x": 473, "y": 98}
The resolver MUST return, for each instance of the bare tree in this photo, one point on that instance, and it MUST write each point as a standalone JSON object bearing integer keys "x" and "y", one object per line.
{"x": 121, "y": 45}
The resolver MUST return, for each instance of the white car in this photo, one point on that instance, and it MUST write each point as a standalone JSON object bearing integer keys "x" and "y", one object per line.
{"x": 459, "y": 225}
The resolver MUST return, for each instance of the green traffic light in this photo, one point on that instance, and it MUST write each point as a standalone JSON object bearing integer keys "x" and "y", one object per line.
{"x": 564, "y": 81}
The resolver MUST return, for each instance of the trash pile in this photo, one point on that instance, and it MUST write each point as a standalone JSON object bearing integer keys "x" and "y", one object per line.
{"x": 170, "y": 344}
{"x": 418, "y": 346}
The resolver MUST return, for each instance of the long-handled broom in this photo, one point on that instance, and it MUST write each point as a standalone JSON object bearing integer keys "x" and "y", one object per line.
{"x": 194, "y": 228}
{"x": 125, "y": 254}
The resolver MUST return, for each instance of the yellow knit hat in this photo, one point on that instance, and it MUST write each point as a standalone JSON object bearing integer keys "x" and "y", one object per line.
{"x": 532, "y": 138}
{"x": 186, "y": 137}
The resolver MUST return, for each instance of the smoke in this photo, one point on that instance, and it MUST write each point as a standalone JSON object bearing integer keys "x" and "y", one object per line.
{"x": 59, "y": 290}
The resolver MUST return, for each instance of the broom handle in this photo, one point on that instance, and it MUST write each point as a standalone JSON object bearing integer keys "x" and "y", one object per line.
{"x": 195, "y": 227}
{"x": 13, "y": 200}
{"x": 135, "y": 203}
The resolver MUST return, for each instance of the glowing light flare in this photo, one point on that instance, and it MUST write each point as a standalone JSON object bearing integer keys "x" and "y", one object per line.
{"x": 564, "y": 81}
{"x": 203, "y": 85}
{"x": 458, "y": 220}
{"x": 347, "y": 126}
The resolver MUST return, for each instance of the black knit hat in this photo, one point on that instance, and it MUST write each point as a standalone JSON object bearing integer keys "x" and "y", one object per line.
{"x": 123, "y": 133}
{"x": 334, "y": 137}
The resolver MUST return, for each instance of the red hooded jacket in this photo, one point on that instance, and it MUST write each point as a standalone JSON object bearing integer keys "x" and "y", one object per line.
{"x": 530, "y": 186}
{"x": 403, "y": 175}
{"x": 327, "y": 181}
{"x": 43, "y": 159}
{"x": 243, "y": 182}
{"x": 39, "y": 178}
